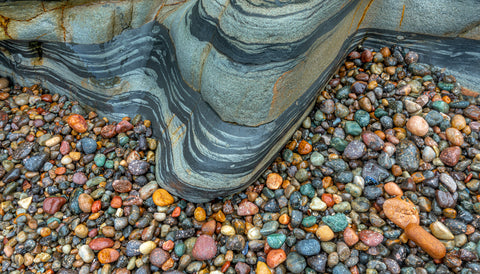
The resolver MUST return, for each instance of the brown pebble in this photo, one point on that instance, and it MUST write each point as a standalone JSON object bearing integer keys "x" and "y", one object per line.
{"x": 53, "y": 204}
{"x": 275, "y": 257}
{"x": 123, "y": 126}
{"x": 158, "y": 257}
{"x": 122, "y": 185}
{"x": 454, "y": 136}
{"x": 4, "y": 83}
{"x": 101, "y": 243}
{"x": 246, "y": 208}
{"x": 304, "y": 147}
{"x": 85, "y": 202}
{"x": 450, "y": 156}
{"x": 350, "y": 237}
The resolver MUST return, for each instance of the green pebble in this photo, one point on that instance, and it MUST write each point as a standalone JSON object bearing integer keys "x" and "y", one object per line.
{"x": 100, "y": 159}
{"x": 441, "y": 106}
{"x": 269, "y": 228}
{"x": 342, "y": 207}
{"x": 343, "y": 93}
{"x": 319, "y": 116}
{"x": 309, "y": 221}
{"x": 287, "y": 155}
{"x": 338, "y": 144}
{"x": 95, "y": 181}
{"x": 476, "y": 207}
{"x": 445, "y": 86}
{"x": 301, "y": 175}
{"x": 362, "y": 117}
{"x": 352, "y": 128}
{"x": 380, "y": 112}
{"x": 354, "y": 190}
{"x": 180, "y": 249}
{"x": 111, "y": 210}
{"x": 337, "y": 222}
{"x": 276, "y": 240}
{"x": 307, "y": 190}
{"x": 109, "y": 164}
{"x": 317, "y": 159}
{"x": 122, "y": 139}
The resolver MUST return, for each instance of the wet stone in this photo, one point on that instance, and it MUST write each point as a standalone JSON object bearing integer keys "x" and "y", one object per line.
{"x": 408, "y": 156}
{"x": 295, "y": 262}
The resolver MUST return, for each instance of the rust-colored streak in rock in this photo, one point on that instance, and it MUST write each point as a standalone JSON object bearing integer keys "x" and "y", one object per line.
{"x": 364, "y": 13}
{"x": 63, "y": 26}
{"x": 353, "y": 18}
{"x": 401, "y": 19}
{"x": 276, "y": 93}
{"x": 4, "y": 25}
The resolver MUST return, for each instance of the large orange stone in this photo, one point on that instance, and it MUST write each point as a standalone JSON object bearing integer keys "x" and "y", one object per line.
{"x": 161, "y": 197}
{"x": 108, "y": 255}
{"x": 401, "y": 211}
{"x": 276, "y": 257}
{"x": 77, "y": 123}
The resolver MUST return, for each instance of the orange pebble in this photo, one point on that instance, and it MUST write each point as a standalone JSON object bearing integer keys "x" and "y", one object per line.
{"x": 393, "y": 189}
{"x": 96, "y": 206}
{"x": 176, "y": 212}
{"x": 116, "y": 202}
{"x": 284, "y": 219}
{"x": 60, "y": 170}
{"x": 168, "y": 245}
{"x": 276, "y": 257}
{"x": 274, "y": 181}
{"x": 304, "y": 147}
{"x": 426, "y": 241}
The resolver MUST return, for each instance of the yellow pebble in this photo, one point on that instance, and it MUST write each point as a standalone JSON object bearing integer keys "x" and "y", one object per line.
{"x": 161, "y": 197}
{"x": 262, "y": 268}
{"x": 199, "y": 214}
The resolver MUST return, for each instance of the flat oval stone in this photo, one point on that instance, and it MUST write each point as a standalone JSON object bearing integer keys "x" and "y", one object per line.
{"x": 108, "y": 255}
{"x": 122, "y": 186}
{"x": 101, "y": 243}
{"x": 138, "y": 167}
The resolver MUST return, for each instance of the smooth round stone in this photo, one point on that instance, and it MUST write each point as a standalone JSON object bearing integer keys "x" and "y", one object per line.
{"x": 89, "y": 145}
{"x": 352, "y": 128}
{"x": 295, "y": 262}
{"x": 318, "y": 204}
{"x": 276, "y": 240}
{"x": 309, "y": 221}
{"x": 324, "y": 233}
{"x": 77, "y": 123}
{"x": 108, "y": 255}
{"x": 308, "y": 247}
{"x": 342, "y": 207}
{"x": 350, "y": 236}
{"x": 161, "y": 197}
{"x": 86, "y": 253}
{"x": 81, "y": 231}
{"x": 276, "y": 257}
{"x": 138, "y": 167}
{"x": 459, "y": 122}
{"x": 53, "y": 204}
{"x": 317, "y": 159}
{"x": 341, "y": 111}
{"x": 227, "y": 230}
{"x": 362, "y": 118}
{"x": 318, "y": 262}
{"x": 401, "y": 212}
{"x": 355, "y": 150}
{"x": 205, "y": 248}
{"x": 85, "y": 202}
{"x": 100, "y": 160}
{"x": 372, "y": 140}
{"x": 428, "y": 154}
{"x": 307, "y": 190}
{"x": 254, "y": 233}
{"x": 101, "y": 243}
{"x": 440, "y": 106}
{"x": 147, "y": 247}
{"x": 353, "y": 189}
{"x": 417, "y": 126}
{"x": 340, "y": 269}
{"x": 450, "y": 156}
{"x": 433, "y": 118}
{"x": 454, "y": 136}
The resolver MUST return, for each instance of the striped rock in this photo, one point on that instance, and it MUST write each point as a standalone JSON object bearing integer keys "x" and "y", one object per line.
{"x": 225, "y": 82}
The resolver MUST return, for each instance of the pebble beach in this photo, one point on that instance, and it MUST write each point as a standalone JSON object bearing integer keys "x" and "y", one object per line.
{"x": 381, "y": 177}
